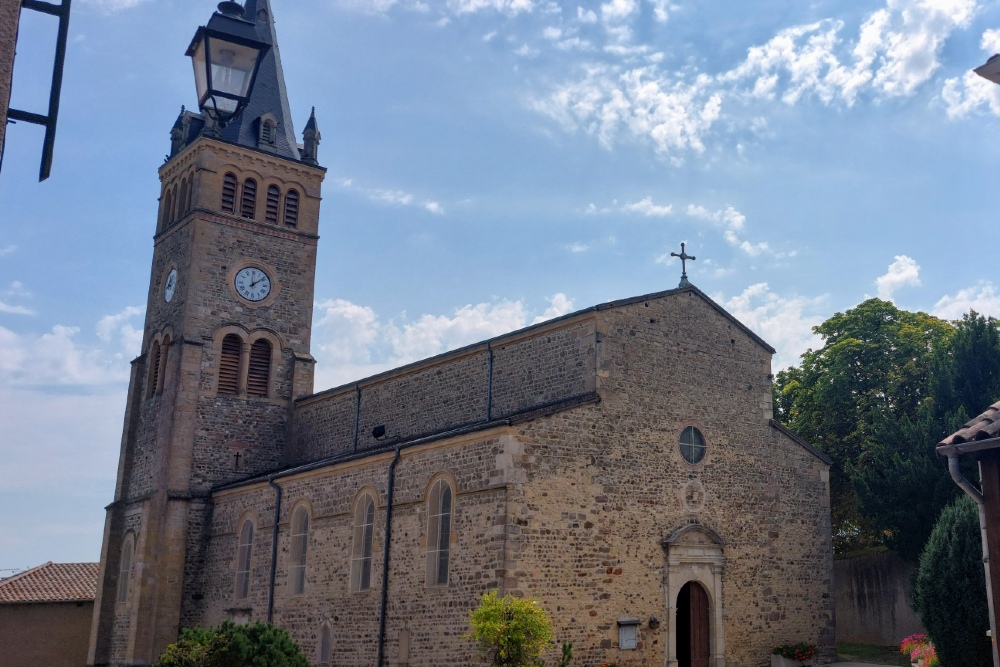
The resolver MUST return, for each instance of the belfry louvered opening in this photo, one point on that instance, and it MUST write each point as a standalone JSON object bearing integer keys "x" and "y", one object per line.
{"x": 229, "y": 365}
{"x": 292, "y": 208}
{"x": 273, "y": 199}
{"x": 154, "y": 369}
{"x": 259, "y": 373}
{"x": 229, "y": 193}
{"x": 248, "y": 204}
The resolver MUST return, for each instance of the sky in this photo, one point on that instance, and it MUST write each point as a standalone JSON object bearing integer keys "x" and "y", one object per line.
{"x": 493, "y": 163}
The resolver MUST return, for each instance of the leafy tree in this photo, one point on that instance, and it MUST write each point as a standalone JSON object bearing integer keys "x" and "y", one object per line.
{"x": 950, "y": 588}
{"x": 510, "y": 631}
{"x": 875, "y": 361}
{"x": 231, "y": 645}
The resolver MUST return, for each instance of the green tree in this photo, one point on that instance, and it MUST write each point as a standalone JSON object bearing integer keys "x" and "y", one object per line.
{"x": 510, "y": 631}
{"x": 950, "y": 588}
{"x": 875, "y": 362}
{"x": 231, "y": 645}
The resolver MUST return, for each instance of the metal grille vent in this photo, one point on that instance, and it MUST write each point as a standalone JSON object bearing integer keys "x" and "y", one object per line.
{"x": 229, "y": 193}
{"x": 248, "y": 205}
{"x": 273, "y": 197}
{"x": 292, "y": 208}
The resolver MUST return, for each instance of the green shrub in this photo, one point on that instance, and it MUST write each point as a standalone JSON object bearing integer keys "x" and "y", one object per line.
{"x": 950, "y": 588}
{"x": 232, "y": 645}
{"x": 510, "y": 631}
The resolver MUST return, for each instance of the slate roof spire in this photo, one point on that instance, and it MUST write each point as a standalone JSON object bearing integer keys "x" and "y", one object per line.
{"x": 269, "y": 95}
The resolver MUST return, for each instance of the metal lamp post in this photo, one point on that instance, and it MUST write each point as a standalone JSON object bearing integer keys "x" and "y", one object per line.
{"x": 226, "y": 55}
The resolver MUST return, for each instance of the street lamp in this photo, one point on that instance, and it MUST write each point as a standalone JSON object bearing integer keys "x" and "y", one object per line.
{"x": 226, "y": 54}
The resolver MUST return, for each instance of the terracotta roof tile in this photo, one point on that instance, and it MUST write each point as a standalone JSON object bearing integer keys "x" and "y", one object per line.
{"x": 51, "y": 582}
{"x": 984, "y": 427}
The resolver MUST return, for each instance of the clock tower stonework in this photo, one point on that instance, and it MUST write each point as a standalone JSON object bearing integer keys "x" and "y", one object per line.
{"x": 225, "y": 353}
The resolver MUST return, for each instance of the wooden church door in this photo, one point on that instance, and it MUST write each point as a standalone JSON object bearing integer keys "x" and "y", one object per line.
{"x": 693, "y": 646}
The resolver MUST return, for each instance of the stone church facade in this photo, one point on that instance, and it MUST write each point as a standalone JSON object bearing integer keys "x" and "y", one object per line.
{"x": 619, "y": 464}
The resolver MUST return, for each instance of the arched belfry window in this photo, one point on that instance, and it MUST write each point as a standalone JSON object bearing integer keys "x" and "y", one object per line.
{"x": 173, "y": 205}
{"x": 165, "y": 215}
{"x": 273, "y": 201}
{"x": 259, "y": 372}
{"x": 361, "y": 553}
{"x": 292, "y": 208}
{"x": 439, "y": 514}
{"x": 125, "y": 568}
{"x": 182, "y": 202}
{"x": 244, "y": 552}
{"x": 155, "y": 354}
{"x": 229, "y": 193}
{"x": 248, "y": 203}
{"x": 229, "y": 364}
{"x": 299, "y": 546}
{"x": 267, "y": 132}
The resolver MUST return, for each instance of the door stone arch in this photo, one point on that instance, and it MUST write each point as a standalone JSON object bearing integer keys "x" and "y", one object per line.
{"x": 695, "y": 553}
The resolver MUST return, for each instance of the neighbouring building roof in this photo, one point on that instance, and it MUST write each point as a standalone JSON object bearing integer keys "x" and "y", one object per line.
{"x": 982, "y": 432}
{"x": 52, "y": 582}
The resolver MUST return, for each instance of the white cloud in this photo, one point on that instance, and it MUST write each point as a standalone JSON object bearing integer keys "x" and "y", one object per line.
{"x": 646, "y": 207}
{"x": 968, "y": 94}
{"x": 903, "y": 272}
{"x": 526, "y": 51}
{"x": 509, "y": 7}
{"x": 983, "y": 298}
{"x": 752, "y": 249}
{"x": 784, "y": 322}
{"x": 618, "y": 10}
{"x": 552, "y": 33}
{"x": 578, "y": 247}
{"x": 990, "y": 42}
{"x": 7, "y": 250}
{"x": 393, "y": 197}
{"x": 488, "y": 37}
{"x": 113, "y": 6}
{"x": 661, "y": 9}
{"x": 352, "y": 343}
{"x": 728, "y": 217}
{"x": 369, "y": 6}
{"x": 434, "y": 208}
{"x": 585, "y": 15}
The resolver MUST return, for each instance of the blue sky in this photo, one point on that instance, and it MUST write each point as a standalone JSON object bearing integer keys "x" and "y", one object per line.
{"x": 493, "y": 163}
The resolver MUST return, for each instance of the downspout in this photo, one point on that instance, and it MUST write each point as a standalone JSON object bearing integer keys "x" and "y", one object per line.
{"x": 385, "y": 558}
{"x": 357, "y": 414}
{"x": 955, "y": 469}
{"x": 274, "y": 547}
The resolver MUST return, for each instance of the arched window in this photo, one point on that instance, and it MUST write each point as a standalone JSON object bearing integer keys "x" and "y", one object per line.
{"x": 273, "y": 199}
{"x": 248, "y": 203}
{"x": 125, "y": 568}
{"x": 173, "y": 205}
{"x": 439, "y": 511}
{"x": 154, "y": 369}
{"x": 165, "y": 216}
{"x": 182, "y": 202}
{"x": 297, "y": 557}
{"x": 292, "y": 208}
{"x": 243, "y": 560}
{"x": 229, "y": 193}
{"x": 324, "y": 645}
{"x": 361, "y": 554}
{"x": 229, "y": 365}
{"x": 190, "y": 197}
{"x": 259, "y": 373}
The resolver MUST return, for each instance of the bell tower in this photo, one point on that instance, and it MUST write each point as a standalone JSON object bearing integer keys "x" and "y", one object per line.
{"x": 225, "y": 347}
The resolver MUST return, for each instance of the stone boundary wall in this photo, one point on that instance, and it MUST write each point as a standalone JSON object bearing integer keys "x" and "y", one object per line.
{"x": 874, "y": 599}
{"x": 529, "y": 369}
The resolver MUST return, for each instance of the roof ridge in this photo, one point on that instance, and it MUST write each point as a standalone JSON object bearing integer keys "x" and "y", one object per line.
{"x": 21, "y": 575}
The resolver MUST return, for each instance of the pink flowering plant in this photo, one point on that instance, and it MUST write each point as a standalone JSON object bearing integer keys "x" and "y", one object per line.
{"x": 918, "y": 646}
{"x": 800, "y": 651}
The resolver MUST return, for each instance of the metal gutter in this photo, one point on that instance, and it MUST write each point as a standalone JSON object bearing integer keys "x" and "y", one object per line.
{"x": 385, "y": 557}
{"x": 274, "y": 548}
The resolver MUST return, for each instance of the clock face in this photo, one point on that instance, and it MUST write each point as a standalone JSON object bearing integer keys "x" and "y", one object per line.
{"x": 170, "y": 285}
{"x": 252, "y": 284}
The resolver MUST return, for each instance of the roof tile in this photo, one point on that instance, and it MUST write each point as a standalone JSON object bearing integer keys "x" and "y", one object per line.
{"x": 52, "y": 582}
{"x": 984, "y": 427}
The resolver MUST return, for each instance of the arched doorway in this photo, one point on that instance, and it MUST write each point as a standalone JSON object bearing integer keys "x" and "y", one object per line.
{"x": 693, "y": 642}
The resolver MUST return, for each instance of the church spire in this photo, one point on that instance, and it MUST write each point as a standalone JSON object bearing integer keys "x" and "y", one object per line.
{"x": 269, "y": 98}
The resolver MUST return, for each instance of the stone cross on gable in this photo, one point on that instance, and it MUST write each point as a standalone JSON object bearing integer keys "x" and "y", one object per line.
{"x": 684, "y": 257}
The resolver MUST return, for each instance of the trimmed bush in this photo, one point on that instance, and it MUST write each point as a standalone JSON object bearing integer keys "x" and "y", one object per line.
{"x": 231, "y": 645}
{"x": 950, "y": 588}
{"x": 510, "y": 631}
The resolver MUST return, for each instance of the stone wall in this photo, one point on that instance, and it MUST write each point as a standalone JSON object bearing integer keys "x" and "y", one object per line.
{"x": 528, "y": 369}
{"x": 577, "y": 508}
{"x": 874, "y": 600}
{"x": 9, "y": 15}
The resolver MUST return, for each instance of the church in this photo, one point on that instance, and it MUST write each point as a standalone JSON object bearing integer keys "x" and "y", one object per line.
{"x": 619, "y": 464}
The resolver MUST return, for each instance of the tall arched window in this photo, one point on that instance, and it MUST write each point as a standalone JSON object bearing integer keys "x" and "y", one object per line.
{"x": 125, "y": 568}
{"x": 273, "y": 200}
{"x": 361, "y": 554}
{"x": 292, "y": 208}
{"x": 248, "y": 203}
{"x": 243, "y": 560}
{"x": 190, "y": 196}
{"x": 259, "y": 373}
{"x": 154, "y": 369}
{"x": 173, "y": 205}
{"x": 297, "y": 557}
{"x": 165, "y": 214}
{"x": 229, "y": 193}
{"x": 229, "y": 364}
{"x": 439, "y": 511}
{"x": 324, "y": 645}
{"x": 182, "y": 202}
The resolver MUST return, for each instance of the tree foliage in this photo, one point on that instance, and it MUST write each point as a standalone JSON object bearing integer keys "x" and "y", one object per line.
{"x": 231, "y": 645}
{"x": 950, "y": 588}
{"x": 510, "y": 631}
{"x": 884, "y": 388}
